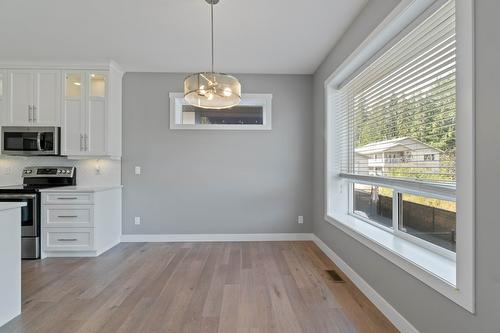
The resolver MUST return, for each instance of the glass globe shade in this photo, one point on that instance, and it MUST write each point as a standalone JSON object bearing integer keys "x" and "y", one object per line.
{"x": 212, "y": 90}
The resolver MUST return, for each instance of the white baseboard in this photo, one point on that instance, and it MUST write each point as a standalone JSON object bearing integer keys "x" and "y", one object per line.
{"x": 385, "y": 307}
{"x": 216, "y": 237}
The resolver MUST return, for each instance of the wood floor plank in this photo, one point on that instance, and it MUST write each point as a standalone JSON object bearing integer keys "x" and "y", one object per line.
{"x": 285, "y": 318}
{"x": 229, "y": 312}
{"x": 237, "y": 287}
{"x": 192, "y": 317}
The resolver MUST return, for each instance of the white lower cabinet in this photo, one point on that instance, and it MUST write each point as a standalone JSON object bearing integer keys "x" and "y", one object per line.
{"x": 72, "y": 216}
{"x": 69, "y": 239}
{"x": 80, "y": 223}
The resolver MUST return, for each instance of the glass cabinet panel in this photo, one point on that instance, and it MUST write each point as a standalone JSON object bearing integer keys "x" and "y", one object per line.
{"x": 97, "y": 85}
{"x": 73, "y": 83}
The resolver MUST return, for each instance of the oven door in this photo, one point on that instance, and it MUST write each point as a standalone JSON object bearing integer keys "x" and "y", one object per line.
{"x": 30, "y": 140}
{"x": 29, "y": 216}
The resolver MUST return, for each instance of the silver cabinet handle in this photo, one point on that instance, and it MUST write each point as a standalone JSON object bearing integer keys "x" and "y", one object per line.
{"x": 86, "y": 142}
{"x": 81, "y": 142}
{"x": 67, "y": 239}
{"x": 34, "y": 113}
{"x": 67, "y": 198}
{"x": 67, "y": 216}
{"x": 29, "y": 113}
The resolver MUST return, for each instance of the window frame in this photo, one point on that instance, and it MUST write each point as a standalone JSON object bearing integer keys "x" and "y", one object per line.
{"x": 394, "y": 229}
{"x": 452, "y": 276}
{"x": 264, "y": 100}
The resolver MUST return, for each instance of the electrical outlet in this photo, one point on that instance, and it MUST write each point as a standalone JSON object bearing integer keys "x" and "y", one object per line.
{"x": 137, "y": 220}
{"x": 137, "y": 170}
{"x": 300, "y": 219}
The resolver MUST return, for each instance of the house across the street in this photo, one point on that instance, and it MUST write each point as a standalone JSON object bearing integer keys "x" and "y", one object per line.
{"x": 378, "y": 158}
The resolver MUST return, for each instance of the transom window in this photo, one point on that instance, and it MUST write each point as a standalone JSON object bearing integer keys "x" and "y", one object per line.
{"x": 253, "y": 113}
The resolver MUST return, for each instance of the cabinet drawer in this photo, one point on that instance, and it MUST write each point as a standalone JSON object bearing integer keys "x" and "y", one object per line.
{"x": 67, "y": 216}
{"x": 68, "y": 198}
{"x": 68, "y": 239}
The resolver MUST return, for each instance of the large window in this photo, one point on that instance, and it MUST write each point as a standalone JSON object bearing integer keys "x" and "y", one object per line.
{"x": 393, "y": 144}
{"x": 396, "y": 122}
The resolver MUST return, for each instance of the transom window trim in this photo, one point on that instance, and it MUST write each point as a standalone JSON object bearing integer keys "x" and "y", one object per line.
{"x": 261, "y": 100}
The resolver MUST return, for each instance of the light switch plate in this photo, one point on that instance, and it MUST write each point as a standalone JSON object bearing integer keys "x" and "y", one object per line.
{"x": 137, "y": 170}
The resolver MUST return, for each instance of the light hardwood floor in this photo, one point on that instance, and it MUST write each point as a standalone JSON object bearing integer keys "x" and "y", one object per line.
{"x": 194, "y": 287}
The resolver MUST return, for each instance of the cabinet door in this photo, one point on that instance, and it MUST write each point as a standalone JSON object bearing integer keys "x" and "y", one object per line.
{"x": 73, "y": 114}
{"x": 96, "y": 117}
{"x": 46, "y": 110}
{"x": 21, "y": 102}
{"x": 4, "y": 114}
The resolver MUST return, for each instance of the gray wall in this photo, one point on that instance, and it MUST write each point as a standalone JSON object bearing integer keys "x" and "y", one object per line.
{"x": 426, "y": 309}
{"x": 196, "y": 181}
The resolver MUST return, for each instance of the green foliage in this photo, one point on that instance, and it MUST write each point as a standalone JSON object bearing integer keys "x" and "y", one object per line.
{"x": 427, "y": 115}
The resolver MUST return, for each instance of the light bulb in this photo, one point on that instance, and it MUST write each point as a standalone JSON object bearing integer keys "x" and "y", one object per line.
{"x": 228, "y": 92}
{"x": 76, "y": 83}
{"x": 202, "y": 90}
{"x": 210, "y": 96}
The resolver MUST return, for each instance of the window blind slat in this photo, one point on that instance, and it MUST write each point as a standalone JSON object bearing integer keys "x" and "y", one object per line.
{"x": 410, "y": 45}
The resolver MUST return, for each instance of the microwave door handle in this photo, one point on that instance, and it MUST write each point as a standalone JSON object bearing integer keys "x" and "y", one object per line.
{"x": 38, "y": 141}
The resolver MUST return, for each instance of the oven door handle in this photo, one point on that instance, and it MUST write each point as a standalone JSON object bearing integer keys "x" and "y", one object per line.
{"x": 17, "y": 196}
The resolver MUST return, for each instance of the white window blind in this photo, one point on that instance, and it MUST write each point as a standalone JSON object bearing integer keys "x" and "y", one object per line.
{"x": 395, "y": 121}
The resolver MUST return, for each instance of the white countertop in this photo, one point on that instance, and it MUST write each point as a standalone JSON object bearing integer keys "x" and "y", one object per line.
{"x": 11, "y": 205}
{"x": 96, "y": 188}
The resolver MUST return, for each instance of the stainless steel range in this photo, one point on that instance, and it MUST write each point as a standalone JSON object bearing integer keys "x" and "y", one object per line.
{"x": 34, "y": 179}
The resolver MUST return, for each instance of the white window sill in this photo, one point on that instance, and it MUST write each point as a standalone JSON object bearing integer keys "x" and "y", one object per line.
{"x": 437, "y": 271}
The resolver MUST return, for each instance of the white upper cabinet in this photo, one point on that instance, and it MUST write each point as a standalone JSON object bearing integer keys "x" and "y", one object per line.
{"x": 91, "y": 115}
{"x": 3, "y": 95}
{"x": 47, "y": 106}
{"x": 34, "y": 98}
{"x": 21, "y": 99}
{"x": 86, "y": 102}
{"x": 96, "y": 130}
{"x": 73, "y": 114}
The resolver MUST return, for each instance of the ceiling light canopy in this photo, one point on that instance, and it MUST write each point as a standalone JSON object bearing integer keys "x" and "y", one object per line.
{"x": 212, "y": 90}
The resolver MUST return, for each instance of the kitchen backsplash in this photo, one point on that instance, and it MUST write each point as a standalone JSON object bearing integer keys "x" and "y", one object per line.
{"x": 89, "y": 172}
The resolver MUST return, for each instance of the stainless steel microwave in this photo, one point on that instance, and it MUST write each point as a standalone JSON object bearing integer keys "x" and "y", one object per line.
{"x": 31, "y": 141}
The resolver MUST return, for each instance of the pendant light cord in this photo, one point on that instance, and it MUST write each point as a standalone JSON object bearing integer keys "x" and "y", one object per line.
{"x": 212, "y": 26}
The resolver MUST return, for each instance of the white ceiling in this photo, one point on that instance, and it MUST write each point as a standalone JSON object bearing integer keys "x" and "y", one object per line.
{"x": 252, "y": 36}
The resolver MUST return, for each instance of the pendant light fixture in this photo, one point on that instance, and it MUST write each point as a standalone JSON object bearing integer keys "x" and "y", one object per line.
{"x": 211, "y": 90}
